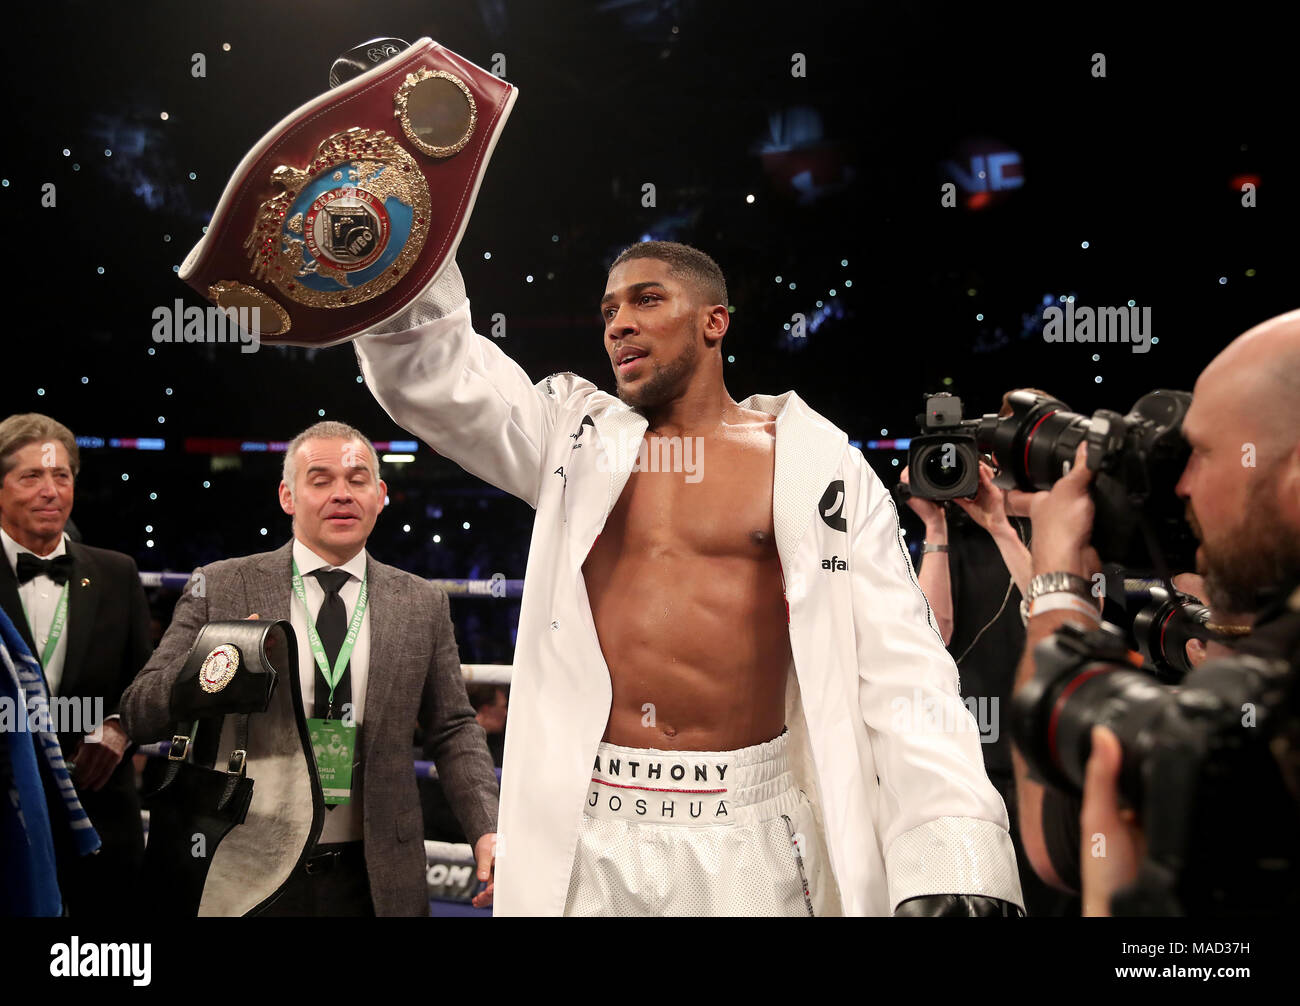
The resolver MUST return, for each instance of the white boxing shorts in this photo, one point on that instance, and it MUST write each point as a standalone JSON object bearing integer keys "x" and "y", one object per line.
{"x": 695, "y": 833}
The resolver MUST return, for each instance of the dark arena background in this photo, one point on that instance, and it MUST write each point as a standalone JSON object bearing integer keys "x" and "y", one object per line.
{"x": 807, "y": 147}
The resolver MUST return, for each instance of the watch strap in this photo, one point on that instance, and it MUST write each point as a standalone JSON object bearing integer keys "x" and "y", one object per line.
{"x": 1055, "y": 582}
{"x": 1063, "y": 600}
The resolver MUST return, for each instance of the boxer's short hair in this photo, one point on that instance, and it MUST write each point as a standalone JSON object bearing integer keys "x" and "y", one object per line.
{"x": 683, "y": 260}
{"x": 327, "y": 430}
{"x": 25, "y": 428}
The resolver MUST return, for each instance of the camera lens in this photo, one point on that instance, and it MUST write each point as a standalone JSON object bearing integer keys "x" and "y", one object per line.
{"x": 1053, "y": 725}
{"x": 1163, "y": 628}
{"x": 1035, "y": 441}
{"x": 943, "y": 466}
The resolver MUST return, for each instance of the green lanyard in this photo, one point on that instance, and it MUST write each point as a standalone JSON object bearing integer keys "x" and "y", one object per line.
{"x": 313, "y": 637}
{"x": 56, "y": 626}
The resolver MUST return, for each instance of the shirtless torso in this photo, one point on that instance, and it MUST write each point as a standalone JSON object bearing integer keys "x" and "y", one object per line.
{"x": 686, "y": 593}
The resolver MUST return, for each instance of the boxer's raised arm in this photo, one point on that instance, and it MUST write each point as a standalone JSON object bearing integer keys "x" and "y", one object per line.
{"x": 461, "y": 394}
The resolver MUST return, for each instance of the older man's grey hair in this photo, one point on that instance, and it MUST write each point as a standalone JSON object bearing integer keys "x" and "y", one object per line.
{"x": 327, "y": 430}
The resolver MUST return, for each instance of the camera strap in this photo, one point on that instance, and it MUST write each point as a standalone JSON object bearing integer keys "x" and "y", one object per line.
{"x": 1157, "y": 556}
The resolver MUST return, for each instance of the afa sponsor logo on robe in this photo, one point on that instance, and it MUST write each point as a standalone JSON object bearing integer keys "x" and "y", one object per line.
{"x": 1105, "y": 324}
{"x": 834, "y": 564}
{"x": 102, "y": 960}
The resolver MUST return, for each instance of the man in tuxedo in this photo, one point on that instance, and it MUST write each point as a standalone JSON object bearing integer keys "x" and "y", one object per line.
{"x": 377, "y": 657}
{"x": 83, "y": 613}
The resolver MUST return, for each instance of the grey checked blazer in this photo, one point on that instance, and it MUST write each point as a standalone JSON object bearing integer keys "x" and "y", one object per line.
{"x": 414, "y": 676}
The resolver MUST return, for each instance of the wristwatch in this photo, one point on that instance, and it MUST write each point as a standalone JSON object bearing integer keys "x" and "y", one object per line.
{"x": 926, "y": 548}
{"x": 1052, "y": 583}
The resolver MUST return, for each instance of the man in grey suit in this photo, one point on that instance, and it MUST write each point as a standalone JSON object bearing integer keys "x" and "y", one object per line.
{"x": 377, "y": 657}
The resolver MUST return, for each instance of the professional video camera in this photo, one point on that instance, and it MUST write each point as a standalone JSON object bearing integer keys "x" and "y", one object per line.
{"x": 1203, "y": 766}
{"x": 1137, "y": 459}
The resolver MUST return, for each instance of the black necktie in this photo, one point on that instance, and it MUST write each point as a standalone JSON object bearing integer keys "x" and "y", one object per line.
{"x": 58, "y": 569}
{"x": 332, "y": 627}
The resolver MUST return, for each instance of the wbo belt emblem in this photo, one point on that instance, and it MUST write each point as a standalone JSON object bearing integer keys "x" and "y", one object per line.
{"x": 346, "y": 226}
{"x": 218, "y": 668}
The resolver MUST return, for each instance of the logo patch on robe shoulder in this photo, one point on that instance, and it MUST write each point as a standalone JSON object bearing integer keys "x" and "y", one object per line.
{"x": 831, "y": 506}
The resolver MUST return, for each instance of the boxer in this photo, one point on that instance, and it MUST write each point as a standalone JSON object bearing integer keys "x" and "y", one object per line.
{"x": 730, "y": 696}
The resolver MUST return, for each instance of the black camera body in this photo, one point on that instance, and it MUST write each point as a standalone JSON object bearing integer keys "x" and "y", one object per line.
{"x": 1201, "y": 765}
{"x": 943, "y": 461}
{"x": 1137, "y": 459}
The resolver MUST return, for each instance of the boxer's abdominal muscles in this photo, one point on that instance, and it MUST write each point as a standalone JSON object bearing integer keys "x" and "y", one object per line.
{"x": 686, "y": 594}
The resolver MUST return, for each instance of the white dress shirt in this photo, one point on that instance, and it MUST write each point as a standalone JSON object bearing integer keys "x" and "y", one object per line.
{"x": 40, "y": 597}
{"x": 344, "y": 823}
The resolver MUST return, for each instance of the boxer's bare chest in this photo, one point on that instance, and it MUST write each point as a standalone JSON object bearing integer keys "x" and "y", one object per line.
{"x": 694, "y": 498}
{"x": 685, "y": 589}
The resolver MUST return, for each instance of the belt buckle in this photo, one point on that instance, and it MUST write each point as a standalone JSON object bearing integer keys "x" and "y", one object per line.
{"x": 179, "y": 749}
{"x": 321, "y": 863}
{"x": 236, "y": 764}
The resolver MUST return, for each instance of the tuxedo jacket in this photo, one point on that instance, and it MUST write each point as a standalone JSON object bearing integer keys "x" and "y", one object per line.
{"x": 108, "y": 642}
{"x": 414, "y": 677}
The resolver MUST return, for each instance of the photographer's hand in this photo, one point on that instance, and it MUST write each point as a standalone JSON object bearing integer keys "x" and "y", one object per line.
{"x": 988, "y": 510}
{"x": 928, "y": 510}
{"x": 1112, "y": 844}
{"x": 1062, "y": 520}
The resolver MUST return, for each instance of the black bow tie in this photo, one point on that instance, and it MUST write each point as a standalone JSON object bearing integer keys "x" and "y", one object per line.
{"x": 58, "y": 569}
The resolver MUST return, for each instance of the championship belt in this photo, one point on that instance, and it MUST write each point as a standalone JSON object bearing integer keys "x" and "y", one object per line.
{"x": 353, "y": 205}
{"x": 231, "y": 670}
{"x": 233, "y": 667}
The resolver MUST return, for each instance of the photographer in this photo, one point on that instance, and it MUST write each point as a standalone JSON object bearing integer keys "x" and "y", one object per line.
{"x": 1242, "y": 489}
{"x": 973, "y": 569}
{"x": 987, "y": 510}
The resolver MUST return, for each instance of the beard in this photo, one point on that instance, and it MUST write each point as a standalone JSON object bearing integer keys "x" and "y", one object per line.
{"x": 1244, "y": 563}
{"x": 664, "y": 381}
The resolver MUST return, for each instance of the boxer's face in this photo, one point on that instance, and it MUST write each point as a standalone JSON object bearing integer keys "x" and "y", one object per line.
{"x": 336, "y": 497}
{"x": 654, "y": 325}
{"x": 36, "y": 494}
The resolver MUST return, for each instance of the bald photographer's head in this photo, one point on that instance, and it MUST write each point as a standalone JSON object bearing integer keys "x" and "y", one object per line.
{"x": 1242, "y": 481}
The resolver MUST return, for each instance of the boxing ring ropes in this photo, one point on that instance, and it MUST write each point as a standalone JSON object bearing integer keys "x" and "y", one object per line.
{"x": 445, "y": 856}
